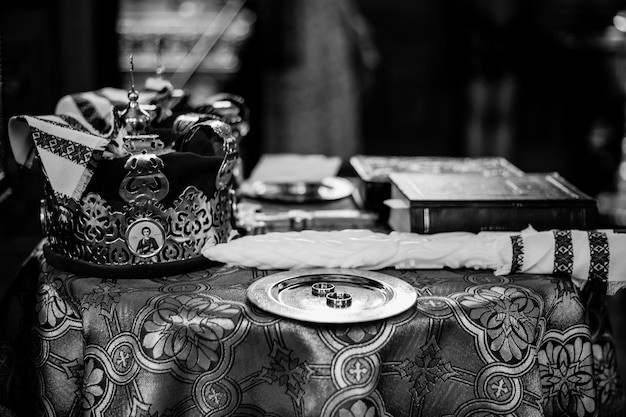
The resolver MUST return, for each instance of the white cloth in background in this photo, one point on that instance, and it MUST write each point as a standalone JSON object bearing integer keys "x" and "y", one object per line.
{"x": 289, "y": 167}
{"x": 360, "y": 249}
{"x": 582, "y": 255}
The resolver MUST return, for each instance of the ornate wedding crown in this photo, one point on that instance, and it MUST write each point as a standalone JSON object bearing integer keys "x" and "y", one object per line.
{"x": 148, "y": 210}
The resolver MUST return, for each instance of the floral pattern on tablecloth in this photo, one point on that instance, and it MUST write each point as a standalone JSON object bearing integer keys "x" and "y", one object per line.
{"x": 507, "y": 316}
{"x": 192, "y": 345}
{"x": 188, "y": 329}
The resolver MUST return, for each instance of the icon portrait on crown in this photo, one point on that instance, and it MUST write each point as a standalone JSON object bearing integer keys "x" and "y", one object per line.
{"x": 151, "y": 201}
{"x": 145, "y": 238}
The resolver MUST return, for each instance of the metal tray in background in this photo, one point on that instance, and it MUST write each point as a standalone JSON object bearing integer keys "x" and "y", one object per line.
{"x": 375, "y": 295}
{"x": 328, "y": 189}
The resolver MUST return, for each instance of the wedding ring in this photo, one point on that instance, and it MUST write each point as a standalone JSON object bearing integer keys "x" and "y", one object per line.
{"x": 320, "y": 289}
{"x": 338, "y": 299}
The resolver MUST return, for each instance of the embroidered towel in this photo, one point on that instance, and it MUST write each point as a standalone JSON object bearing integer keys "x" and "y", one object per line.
{"x": 94, "y": 110}
{"x": 64, "y": 148}
{"x": 582, "y": 255}
{"x": 82, "y": 128}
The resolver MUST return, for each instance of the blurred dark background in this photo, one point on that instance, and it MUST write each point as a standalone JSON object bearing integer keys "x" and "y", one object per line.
{"x": 537, "y": 82}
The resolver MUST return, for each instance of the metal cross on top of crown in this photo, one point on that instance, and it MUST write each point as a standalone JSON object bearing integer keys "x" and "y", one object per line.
{"x": 136, "y": 121}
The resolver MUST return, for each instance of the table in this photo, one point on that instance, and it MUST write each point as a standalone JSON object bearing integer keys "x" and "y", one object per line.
{"x": 474, "y": 344}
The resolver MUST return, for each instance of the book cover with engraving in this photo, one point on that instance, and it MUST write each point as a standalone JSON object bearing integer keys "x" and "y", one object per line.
{"x": 374, "y": 172}
{"x": 377, "y": 168}
{"x": 433, "y": 203}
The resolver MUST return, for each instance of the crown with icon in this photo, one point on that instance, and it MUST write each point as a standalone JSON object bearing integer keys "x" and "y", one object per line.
{"x": 127, "y": 202}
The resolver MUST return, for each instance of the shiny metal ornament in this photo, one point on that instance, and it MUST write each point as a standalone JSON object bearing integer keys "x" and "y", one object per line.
{"x": 143, "y": 143}
{"x": 133, "y": 118}
{"x": 231, "y": 109}
{"x": 135, "y": 121}
{"x": 144, "y": 179}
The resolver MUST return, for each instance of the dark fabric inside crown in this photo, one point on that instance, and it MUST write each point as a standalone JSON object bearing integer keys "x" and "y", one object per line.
{"x": 182, "y": 169}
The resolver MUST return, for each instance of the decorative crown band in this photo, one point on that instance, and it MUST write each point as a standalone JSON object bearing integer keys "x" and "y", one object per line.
{"x": 144, "y": 229}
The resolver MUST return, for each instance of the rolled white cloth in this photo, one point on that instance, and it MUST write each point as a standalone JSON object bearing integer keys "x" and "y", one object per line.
{"x": 582, "y": 255}
{"x": 363, "y": 249}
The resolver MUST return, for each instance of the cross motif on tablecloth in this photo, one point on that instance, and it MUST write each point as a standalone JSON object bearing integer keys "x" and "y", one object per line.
{"x": 288, "y": 371}
{"x": 500, "y": 388}
{"x": 214, "y": 397}
{"x": 358, "y": 370}
{"x": 427, "y": 369}
{"x": 122, "y": 357}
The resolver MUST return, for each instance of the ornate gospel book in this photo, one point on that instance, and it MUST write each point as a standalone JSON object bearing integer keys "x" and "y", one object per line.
{"x": 374, "y": 172}
{"x": 433, "y": 203}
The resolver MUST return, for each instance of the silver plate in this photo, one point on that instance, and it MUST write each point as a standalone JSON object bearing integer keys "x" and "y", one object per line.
{"x": 375, "y": 296}
{"x": 328, "y": 189}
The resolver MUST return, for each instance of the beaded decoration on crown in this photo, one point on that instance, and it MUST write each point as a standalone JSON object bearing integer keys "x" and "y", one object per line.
{"x": 145, "y": 225}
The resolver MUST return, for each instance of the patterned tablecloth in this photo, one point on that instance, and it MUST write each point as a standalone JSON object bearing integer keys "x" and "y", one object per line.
{"x": 191, "y": 345}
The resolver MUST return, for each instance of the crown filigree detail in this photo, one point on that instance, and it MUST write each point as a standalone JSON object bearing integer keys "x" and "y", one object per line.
{"x": 91, "y": 231}
{"x": 144, "y": 181}
{"x": 145, "y": 230}
{"x": 130, "y": 197}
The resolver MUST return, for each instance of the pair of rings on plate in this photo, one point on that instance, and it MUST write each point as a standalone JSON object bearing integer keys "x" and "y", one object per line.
{"x": 333, "y": 299}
